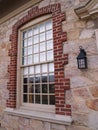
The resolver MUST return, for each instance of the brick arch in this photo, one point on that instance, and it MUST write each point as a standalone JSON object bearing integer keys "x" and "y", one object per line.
{"x": 61, "y": 84}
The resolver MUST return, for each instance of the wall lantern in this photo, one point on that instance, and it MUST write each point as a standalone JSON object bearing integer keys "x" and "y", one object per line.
{"x": 82, "y": 59}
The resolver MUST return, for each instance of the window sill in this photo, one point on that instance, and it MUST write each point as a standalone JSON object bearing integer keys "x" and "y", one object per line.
{"x": 49, "y": 117}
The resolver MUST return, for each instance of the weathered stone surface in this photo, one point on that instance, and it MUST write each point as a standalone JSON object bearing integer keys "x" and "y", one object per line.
{"x": 80, "y": 118}
{"x": 78, "y": 128}
{"x": 92, "y": 104}
{"x": 86, "y": 33}
{"x": 58, "y": 127}
{"x": 94, "y": 91}
{"x": 35, "y": 124}
{"x": 73, "y": 34}
{"x": 82, "y": 93}
{"x": 44, "y": 3}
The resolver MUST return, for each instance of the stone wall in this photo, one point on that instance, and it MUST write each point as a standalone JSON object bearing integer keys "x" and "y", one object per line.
{"x": 83, "y": 95}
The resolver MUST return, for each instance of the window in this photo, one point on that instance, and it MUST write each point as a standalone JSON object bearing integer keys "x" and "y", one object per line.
{"x": 37, "y": 64}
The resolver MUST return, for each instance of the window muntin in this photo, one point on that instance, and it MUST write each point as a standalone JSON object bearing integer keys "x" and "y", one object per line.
{"x": 37, "y": 64}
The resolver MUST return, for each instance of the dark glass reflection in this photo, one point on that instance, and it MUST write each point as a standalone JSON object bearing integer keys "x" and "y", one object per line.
{"x": 51, "y": 78}
{"x": 44, "y": 88}
{"x": 25, "y": 88}
{"x": 37, "y": 99}
{"x": 44, "y": 99}
{"x": 37, "y": 79}
{"x": 31, "y": 98}
{"x": 44, "y": 78}
{"x": 51, "y": 88}
{"x": 37, "y": 88}
{"x": 25, "y": 98}
{"x": 31, "y": 88}
{"x": 25, "y": 80}
{"x": 31, "y": 79}
{"x": 52, "y": 100}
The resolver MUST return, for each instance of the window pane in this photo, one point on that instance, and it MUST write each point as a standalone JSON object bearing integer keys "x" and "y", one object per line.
{"x": 25, "y": 34}
{"x": 51, "y": 67}
{"x": 31, "y": 98}
{"x": 30, "y": 59}
{"x": 25, "y": 51}
{"x": 44, "y": 88}
{"x": 42, "y": 46}
{"x": 44, "y": 68}
{"x": 36, "y": 58}
{"x": 35, "y": 29}
{"x": 31, "y": 89}
{"x": 29, "y": 32}
{"x": 31, "y": 70}
{"x": 49, "y": 35}
{"x": 51, "y": 78}
{"x": 37, "y": 79}
{"x": 37, "y": 99}
{"x": 44, "y": 78}
{"x": 31, "y": 79}
{"x": 25, "y": 89}
{"x": 42, "y": 57}
{"x": 24, "y": 60}
{"x": 37, "y": 69}
{"x": 48, "y": 25}
{"x": 25, "y": 71}
{"x": 36, "y": 40}
{"x": 44, "y": 99}
{"x": 51, "y": 88}
{"x": 42, "y": 37}
{"x": 49, "y": 55}
{"x": 29, "y": 50}
{"x": 25, "y": 43}
{"x": 49, "y": 44}
{"x": 25, "y": 98}
{"x": 25, "y": 80}
{"x": 36, "y": 48}
{"x": 37, "y": 88}
{"x": 52, "y": 99}
{"x": 29, "y": 41}
{"x": 42, "y": 27}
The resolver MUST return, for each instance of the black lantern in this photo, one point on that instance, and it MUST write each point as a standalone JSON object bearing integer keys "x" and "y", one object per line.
{"x": 82, "y": 59}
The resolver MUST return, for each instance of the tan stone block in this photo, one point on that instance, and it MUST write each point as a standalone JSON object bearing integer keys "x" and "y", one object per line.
{"x": 94, "y": 91}
{"x": 81, "y": 92}
{"x": 67, "y": 26}
{"x": 87, "y": 33}
{"x": 73, "y": 34}
{"x": 92, "y": 104}
{"x": 77, "y": 128}
{"x": 71, "y": 15}
{"x": 58, "y": 127}
{"x": 80, "y": 118}
{"x": 36, "y": 125}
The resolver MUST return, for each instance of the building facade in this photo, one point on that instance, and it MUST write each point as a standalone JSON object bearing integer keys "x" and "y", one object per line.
{"x": 41, "y": 84}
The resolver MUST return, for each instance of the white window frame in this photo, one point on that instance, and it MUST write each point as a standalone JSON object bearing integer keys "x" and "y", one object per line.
{"x": 19, "y": 104}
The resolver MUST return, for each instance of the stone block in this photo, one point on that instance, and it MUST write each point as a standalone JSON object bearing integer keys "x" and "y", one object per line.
{"x": 36, "y": 125}
{"x": 92, "y": 104}
{"x": 94, "y": 91}
{"x": 58, "y": 127}
{"x": 86, "y": 33}
{"x": 77, "y": 128}
{"x": 73, "y": 34}
{"x": 80, "y": 118}
{"x": 83, "y": 93}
